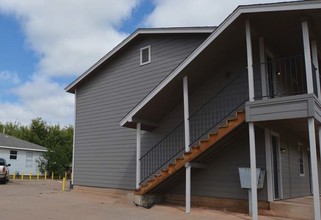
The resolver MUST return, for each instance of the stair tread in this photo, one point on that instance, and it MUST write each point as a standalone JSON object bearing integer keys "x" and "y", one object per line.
{"x": 193, "y": 153}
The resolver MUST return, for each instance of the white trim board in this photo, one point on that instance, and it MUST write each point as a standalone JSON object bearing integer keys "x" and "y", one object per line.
{"x": 279, "y": 162}
{"x": 231, "y": 18}
{"x": 21, "y": 148}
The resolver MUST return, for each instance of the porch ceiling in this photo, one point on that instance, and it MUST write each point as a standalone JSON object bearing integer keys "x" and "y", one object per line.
{"x": 298, "y": 127}
{"x": 282, "y": 30}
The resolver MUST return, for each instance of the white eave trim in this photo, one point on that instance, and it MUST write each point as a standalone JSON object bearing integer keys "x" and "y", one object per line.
{"x": 289, "y": 6}
{"x": 171, "y": 30}
{"x": 21, "y": 148}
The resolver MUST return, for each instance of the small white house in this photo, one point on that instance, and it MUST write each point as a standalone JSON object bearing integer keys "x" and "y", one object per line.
{"x": 22, "y": 155}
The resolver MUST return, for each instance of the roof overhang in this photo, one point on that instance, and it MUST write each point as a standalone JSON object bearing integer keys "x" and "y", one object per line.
{"x": 173, "y": 30}
{"x": 129, "y": 119}
{"x": 26, "y": 149}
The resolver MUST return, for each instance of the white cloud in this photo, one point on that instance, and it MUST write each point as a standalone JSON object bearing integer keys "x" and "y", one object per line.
{"x": 46, "y": 99}
{"x": 9, "y": 77}
{"x": 39, "y": 97}
{"x": 69, "y": 36}
{"x": 10, "y": 112}
{"x": 171, "y": 13}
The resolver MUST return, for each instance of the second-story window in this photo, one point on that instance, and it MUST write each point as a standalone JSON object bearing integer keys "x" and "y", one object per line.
{"x": 145, "y": 55}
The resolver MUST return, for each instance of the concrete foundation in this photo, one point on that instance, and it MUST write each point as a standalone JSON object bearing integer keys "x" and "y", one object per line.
{"x": 120, "y": 196}
{"x": 148, "y": 200}
{"x": 297, "y": 208}
{"x": 231, "y": 205}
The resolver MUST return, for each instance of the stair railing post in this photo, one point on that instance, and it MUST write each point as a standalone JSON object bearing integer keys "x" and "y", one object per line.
{"x": 187, "y": 143}
{"x": 138, "y": 150}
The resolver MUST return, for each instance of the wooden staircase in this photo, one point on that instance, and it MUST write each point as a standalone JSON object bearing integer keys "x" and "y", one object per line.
{"x": 203, "y": 145}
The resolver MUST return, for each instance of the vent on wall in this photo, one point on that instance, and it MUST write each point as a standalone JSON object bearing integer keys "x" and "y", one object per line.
{"x": 145, "y": 55}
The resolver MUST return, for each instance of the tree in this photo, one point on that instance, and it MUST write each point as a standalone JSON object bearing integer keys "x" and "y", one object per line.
{"x": 59, "y": 154}
{"x": 57, "y": 140}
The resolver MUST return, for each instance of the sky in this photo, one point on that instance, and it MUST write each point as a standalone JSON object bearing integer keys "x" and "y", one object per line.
{"x": 45, "y": 45}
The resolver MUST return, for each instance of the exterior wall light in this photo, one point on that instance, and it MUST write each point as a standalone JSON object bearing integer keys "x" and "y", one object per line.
{"x": 283, "y": 150}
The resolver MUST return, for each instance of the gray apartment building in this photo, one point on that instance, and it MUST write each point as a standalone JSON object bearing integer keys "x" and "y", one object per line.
{"x": 178, "y": 111}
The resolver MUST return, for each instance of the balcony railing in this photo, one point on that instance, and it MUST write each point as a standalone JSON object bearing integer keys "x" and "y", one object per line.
{"x": 280, "y": 77}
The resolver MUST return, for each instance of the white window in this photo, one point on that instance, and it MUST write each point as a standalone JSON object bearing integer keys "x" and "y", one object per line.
{"x": 29, "y": 157}
{"x": 13, "y": 154}
{"x": 301, "y": 162}
{"x": 145, "y": 55}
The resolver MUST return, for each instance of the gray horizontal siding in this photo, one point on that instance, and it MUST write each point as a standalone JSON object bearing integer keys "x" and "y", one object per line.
{"x": 104, "y": 151}
{"x": 299, "y": 106}
{"x": 221, "y": 178}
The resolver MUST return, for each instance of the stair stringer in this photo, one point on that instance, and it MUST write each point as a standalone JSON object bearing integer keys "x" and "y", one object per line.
{"x": 203, "y": 145}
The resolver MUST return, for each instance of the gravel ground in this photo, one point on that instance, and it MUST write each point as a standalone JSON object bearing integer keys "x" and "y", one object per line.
{"x": 43, "y": 199}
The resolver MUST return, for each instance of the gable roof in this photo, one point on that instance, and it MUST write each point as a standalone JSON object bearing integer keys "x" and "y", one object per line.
{"x": 10, "y": 142}
{"x": 171, "y": 30}
{"x": 243, "y": 9}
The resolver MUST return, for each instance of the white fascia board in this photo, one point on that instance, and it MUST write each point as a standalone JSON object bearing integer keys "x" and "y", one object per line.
{"x": 131, "y": 37}
{"x": 282, "y": 6}
{"x": 232, "y": 17}
{"x": 99, "y": 62}
{"x": 21, "y": 148}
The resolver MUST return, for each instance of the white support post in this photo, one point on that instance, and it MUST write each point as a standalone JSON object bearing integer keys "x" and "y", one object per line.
{"x": 262, "y": 67}
{"x": 74, "y": 141}
{"x": 254, "y": 207}
{"x": 138, "y": 150}
{"x": 186, "y": 114}
{"x": 188, "y": 189}
{"x": 307, "y": 56}
{"x": 249, "y": 59}
{"x": 187, "y": 143}
{"x": 319, "y": 131}
{"x": 314, "y": 169}
{"x": 316, "y": 65}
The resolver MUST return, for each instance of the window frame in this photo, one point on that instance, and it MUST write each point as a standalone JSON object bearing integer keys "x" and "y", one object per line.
{"x": 12, "y": 155}
{"x": 149, "y": 55}
{"x": 29, "y": 159}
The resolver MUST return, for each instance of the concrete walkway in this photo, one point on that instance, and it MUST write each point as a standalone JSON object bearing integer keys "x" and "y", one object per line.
{"x": 298, "y": 208}
{"x": 43, "y": 199}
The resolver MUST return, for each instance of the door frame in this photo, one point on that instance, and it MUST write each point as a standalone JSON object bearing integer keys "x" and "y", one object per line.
{"x": 279, "y": 164}
{"x": 273, "y": 93}
{"x": 270, "y": 167}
